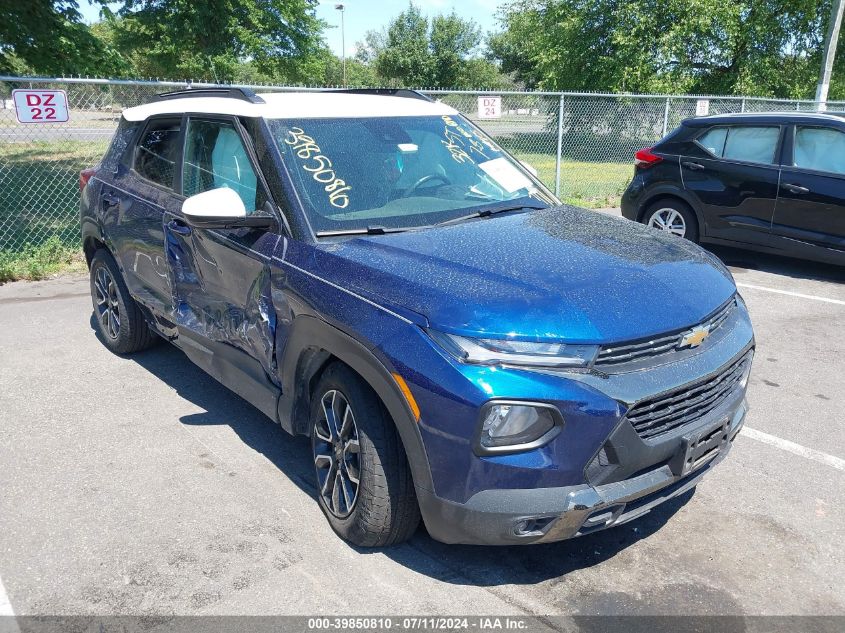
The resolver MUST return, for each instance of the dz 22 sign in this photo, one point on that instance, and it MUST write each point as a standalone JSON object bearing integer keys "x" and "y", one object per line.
{"x": 40, "y": 106}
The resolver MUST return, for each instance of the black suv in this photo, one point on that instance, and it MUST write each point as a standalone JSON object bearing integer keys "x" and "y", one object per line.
{"x": 771, "y": 182}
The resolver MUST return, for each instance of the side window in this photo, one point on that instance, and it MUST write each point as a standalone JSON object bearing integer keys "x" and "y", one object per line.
{"x": 713, "y": 140}
{"x": 753, "y": 144}
{"x": 157, "y": 151}
{"x": 216, "y": 157}
{"x": 822, "y": 149}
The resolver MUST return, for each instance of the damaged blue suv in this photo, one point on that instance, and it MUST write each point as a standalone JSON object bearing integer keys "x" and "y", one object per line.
{"x": 369, "y": 269}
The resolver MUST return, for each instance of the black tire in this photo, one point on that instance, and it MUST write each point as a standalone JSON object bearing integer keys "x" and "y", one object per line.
{"x": 681, "y": 208}
{"x": 384, "y": 510}
{"x": 131, "y": 332}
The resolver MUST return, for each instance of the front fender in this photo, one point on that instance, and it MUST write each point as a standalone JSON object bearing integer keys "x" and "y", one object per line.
{"x": 311, "y": 342}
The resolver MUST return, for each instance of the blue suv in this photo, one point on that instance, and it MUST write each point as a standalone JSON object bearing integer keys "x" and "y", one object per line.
{"x": 370, "y": 269}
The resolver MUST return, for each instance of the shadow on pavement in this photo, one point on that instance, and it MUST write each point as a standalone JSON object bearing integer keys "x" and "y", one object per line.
{"x": 741, "y": 261}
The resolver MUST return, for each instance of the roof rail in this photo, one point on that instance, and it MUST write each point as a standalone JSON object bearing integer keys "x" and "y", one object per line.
{"x": 386, "y": 92}
{"x": 244, "y": 94}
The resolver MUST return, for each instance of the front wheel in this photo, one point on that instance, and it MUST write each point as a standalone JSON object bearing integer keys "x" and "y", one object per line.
{"x": 364, "y": 484}
{"x": 672, "y": 216}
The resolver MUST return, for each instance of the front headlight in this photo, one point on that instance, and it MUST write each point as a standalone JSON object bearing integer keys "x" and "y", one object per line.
{"x": 483, "y": 351}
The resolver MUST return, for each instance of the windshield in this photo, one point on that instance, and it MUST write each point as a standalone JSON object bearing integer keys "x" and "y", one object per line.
{"x": 355, "y": 174}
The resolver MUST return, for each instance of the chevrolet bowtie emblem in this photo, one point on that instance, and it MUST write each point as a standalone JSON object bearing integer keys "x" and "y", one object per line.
{"x": 695, "y": 336}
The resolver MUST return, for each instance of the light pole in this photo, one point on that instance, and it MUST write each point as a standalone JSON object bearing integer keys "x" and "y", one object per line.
{"x": 341, "y": 8}
{"x": 837, "y": 8}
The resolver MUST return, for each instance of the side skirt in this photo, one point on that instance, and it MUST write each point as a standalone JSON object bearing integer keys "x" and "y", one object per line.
{"x": 234, "y": 369}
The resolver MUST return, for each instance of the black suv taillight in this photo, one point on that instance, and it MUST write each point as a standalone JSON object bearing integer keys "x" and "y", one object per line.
{"x": 645, "y": 158}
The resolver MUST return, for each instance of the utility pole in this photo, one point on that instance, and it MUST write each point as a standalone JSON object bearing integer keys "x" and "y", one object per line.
{"x": 341, "y": 8}
{"x": 829, "y": 52}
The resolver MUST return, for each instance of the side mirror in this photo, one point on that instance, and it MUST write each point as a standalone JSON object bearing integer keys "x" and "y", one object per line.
{"x": 529, "y": 168}
{"x": 222, "y": 208}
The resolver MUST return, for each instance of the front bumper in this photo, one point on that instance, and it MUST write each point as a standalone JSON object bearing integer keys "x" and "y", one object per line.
{"x": 543, "y": 515}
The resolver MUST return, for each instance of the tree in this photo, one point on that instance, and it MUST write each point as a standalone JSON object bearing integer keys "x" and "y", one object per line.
{"x": 452, "y": 42}
{"x": 281, "y": 39}
{"x": 442, "y": 52}
{"x": 765, "y": 47}
{"x": 48, "y": 37}
{"x": 405, "y": 56}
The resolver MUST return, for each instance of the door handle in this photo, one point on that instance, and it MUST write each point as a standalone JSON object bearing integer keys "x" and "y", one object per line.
{"x": 795, "y": 188}
{"x": 110, "y": 199}
{"x": 693, "y": 166}
{"x": 179, "y": 227}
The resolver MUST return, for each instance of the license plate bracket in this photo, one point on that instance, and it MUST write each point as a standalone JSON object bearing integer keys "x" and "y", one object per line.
{"x": 702, "y": 445}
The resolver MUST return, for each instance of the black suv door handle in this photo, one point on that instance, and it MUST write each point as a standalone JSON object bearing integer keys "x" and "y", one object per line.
{"x": 795, "y": 188}
{"x": 179, "y": 227}
{"x": 693, "y": 166}
{"x": 111, "y": 200}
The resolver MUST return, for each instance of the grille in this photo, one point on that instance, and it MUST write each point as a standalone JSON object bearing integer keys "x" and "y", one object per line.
{"x": 659, "y": 415}
{"x": 650, "y": 348}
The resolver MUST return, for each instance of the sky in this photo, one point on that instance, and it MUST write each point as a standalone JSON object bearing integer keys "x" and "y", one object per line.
{"x": 361, "y": 16}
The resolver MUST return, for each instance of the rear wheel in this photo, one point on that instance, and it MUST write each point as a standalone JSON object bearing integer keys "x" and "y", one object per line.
{"x": 364, "y": 484}
{"x": 672, "y": 216}
{"x": 119, "y": 319}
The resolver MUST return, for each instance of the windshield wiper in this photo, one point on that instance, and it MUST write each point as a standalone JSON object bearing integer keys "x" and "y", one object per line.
{"x": 486, "y": 213}
{"x": 370, "y": 230}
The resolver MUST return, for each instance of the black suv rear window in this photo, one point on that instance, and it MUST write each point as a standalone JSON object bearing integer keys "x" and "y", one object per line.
{"x": 157, "y": 152}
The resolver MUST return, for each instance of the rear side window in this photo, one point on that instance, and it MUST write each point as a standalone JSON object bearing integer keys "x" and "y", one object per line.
{"x": 157, "y": 152}
{"x": 822, "y": 149}
{"x": 753, "y": 144}
{"x": 119, "y": 142}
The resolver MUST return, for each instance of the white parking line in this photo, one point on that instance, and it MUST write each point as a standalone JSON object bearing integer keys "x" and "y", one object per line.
{"x": 5, "y": 605}
{"x": 797, "y": 449}
{"x": 792, "y": 294}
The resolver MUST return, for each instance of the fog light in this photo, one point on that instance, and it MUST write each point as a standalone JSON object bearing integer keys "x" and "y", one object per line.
{"x": 516, "y": 426}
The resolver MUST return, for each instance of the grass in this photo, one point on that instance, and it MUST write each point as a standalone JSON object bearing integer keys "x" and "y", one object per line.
{"x": 39, "y": 262}
{"x": 39, "y": 206}
{"x": 587, "y": 184}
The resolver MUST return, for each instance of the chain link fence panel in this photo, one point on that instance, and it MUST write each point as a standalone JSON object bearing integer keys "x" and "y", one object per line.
{"x": 581, "y": 144}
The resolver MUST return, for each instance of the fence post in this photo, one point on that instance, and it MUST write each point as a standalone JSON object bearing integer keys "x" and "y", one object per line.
{"x": 665, "y": 118}
{"x": 742, "y": 106}
{"x": 559, "y": 146}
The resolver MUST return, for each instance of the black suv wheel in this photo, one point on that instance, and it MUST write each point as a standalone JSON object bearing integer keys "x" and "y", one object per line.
{"x": 672, "y": 216}
{"x": 119, "y": 320}
{"x": 364, "y": 484}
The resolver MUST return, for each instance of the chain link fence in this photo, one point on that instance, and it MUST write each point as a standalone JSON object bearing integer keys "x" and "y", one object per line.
{"x": 581, "y": 144}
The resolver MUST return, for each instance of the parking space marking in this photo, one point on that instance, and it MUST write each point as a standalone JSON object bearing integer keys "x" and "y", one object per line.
{"x": 797, "y": 449}
{"x": 5, "y": 605}
{"x": 792, "y": 294}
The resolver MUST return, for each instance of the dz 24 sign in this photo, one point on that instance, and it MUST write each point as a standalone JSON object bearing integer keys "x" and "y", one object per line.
{"x": 40, "y": 106}
{"x": 489, "y": 107}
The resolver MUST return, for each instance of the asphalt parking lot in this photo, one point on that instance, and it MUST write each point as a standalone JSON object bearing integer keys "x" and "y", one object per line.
{"x": 141, "y": 486}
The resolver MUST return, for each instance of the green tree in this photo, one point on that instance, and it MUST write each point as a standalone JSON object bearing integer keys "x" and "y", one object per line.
{"x": 48, "y": 37}
{"x": 765, "y": 47}
{"x": 281, "y": 39}
{"x": 405, "y": 56}
{"x": 452, "y": 43}
{"x": 443, "y": 52}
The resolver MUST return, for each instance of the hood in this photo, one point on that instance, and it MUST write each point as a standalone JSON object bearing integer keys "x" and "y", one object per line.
{"x": 559, "y": 274}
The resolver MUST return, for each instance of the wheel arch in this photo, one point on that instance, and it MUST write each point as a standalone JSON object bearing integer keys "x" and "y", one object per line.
{"x": 312, "y": 345}
{"x": 93, "y": 238}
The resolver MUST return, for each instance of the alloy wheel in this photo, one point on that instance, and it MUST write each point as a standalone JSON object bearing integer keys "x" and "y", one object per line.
{"x": 669, "y": 220}
{"x": 337, "y": 454}
{"x": 108, "y": 308}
